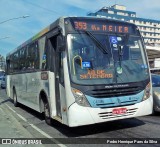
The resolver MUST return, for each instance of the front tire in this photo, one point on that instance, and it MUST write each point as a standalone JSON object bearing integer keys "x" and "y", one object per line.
{"x": 47, "y": 115}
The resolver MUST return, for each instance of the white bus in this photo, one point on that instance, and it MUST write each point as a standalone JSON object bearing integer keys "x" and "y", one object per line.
{"x": 82, "y": 70}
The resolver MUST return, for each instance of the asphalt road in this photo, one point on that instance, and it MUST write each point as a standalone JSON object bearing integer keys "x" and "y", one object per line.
{"x": 33, "y": 123}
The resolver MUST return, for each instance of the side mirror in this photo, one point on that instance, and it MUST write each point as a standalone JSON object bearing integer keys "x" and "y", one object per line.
{"x": 60, "y": 43}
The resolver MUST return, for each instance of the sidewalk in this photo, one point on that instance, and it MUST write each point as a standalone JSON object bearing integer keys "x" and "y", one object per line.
{"x": 10, "y": 127}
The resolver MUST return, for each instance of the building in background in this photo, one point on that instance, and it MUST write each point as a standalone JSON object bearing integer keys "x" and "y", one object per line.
{"x": 150, "y": 29}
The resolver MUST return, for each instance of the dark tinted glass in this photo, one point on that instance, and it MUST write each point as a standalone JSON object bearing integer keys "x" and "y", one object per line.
{"x": 155, "y": 80}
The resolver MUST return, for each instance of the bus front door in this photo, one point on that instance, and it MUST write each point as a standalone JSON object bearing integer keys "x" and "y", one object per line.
{"x": 54, "y": 66}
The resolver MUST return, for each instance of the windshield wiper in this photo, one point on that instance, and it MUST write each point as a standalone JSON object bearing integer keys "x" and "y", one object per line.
{"x": 99, "y": 44}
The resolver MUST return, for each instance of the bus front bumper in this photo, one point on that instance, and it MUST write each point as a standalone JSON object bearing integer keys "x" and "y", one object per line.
{"x": 79, "y": 115}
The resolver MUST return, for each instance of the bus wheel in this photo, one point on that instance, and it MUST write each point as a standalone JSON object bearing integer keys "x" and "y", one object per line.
{"x": 15, "y": 98}
{"x": 47, "y": 114}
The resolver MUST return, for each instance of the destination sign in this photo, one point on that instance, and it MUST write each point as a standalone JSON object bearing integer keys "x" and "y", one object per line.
{"x": 103, "y": 27}
{"x": 95, "y": 74}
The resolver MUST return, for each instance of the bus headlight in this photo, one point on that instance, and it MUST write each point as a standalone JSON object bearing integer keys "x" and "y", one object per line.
{"x": 147, "y": 92}
{"x": 80, "y": 98}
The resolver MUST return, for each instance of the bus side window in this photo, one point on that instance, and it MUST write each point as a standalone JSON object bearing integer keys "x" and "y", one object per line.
{"x": 15, "y": 62}
{"x": 32, "y": 57}
{"x": 11, "y": 65}
{"x": 29, "y": 52}
{"x": 22, "y": 59}
{"x": 8, "y": 66}
{"x": 42, "y": 53}
{"x": 36, "y": 59}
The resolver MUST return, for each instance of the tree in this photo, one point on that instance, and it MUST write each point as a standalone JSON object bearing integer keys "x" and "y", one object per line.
{"x": 2, "y": 62}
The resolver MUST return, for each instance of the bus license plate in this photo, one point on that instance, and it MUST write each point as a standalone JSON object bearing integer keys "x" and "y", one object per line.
{"x": 119, "y": 111}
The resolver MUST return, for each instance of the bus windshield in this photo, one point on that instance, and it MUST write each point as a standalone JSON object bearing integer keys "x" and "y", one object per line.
{"x": 122, "y": 59}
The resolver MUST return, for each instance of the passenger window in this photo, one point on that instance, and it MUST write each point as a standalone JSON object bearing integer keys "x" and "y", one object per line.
{"x": 43, "y": 58}
{"x": 15, "y": 61}
{"x": 32, "y": 57}
{"x": 22, "y": 59}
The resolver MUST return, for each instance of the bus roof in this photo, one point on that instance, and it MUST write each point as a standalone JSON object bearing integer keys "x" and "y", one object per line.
{"x": 59, "y": 22}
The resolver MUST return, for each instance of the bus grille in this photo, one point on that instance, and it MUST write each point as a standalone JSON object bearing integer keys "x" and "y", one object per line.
{"x": 108, "y": 115}
{"x": 114, "y": 92}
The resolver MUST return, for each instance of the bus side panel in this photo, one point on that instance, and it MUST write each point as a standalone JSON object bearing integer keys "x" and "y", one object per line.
{"x": 8, "y": 90}
{"x": 28, "y": 87}
{"x": 52, "y": 98}
{"x": 13, "y": 84}
{"x": 18, "y": 83}
{"x": 70, "y": 100}
{"x": 20, "y": 87}
{"x": 33, "y": 86}
{"x": 63, "y": 104}
{"x": 63, "y": 91}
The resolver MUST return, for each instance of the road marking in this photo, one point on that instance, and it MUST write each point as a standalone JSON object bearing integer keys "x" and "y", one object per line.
{"x": 36, "y": 128}
{"x": 10, "y": 108}
{"x": 22, "y": 117}
{"x": 39, "y": 130}
{"x": 1, "y": 110}
{"x": 46, "y": 135}
{"x": 17, "y": 113}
